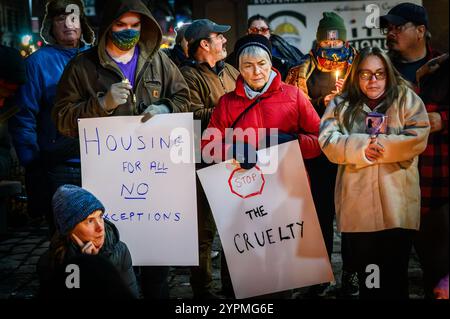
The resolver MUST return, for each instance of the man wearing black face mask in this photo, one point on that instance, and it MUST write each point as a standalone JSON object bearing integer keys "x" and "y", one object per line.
{"x": 125, "y": 74}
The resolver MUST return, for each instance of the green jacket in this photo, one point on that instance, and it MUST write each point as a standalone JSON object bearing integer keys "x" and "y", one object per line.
{"x": 91, "y": 74}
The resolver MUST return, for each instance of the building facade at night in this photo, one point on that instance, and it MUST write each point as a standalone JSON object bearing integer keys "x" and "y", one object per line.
{"x": 21, "y": 17}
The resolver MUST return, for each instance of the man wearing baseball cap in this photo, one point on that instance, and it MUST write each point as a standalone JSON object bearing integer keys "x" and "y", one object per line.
{"x": 408, "y": 40}
{"x": 407, "y": 37}
{"x": 208, "y": 78}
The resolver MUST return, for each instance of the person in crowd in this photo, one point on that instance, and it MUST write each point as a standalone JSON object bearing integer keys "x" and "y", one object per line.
{"x": 377, "y": 190}
{"x": 208, "y": 78}
{"x": 409, "y": 41}
{"x": 179, "y": 53}
{"x": 49, "y": 158}
{"x": 262, "y": 100}
{"x": 81, "y": 229}
{"x": 320, "y": 76}
{"x": 12, "y": 75}
{"x": 284, "y": 55}
{"x": 125, "y": 74}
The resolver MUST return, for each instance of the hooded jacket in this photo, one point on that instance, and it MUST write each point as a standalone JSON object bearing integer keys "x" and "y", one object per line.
{"x": 34, "y": 134}
{"x": 91, "y": 74}
{"x": 113, "y": 249}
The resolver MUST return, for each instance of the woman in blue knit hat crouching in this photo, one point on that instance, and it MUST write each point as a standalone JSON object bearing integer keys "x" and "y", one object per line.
{"x": 81, "y": 230}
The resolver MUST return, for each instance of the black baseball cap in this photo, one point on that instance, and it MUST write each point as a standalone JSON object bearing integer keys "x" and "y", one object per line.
{"x": 403, "y": 13}
{"x": 200, "y": 29}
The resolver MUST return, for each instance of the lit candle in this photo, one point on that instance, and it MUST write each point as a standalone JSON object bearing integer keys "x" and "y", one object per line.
{"x": 337, "y": 78}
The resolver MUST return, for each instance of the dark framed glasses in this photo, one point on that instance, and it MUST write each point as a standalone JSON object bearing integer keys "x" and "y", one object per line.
{"x": 367, "y": 75}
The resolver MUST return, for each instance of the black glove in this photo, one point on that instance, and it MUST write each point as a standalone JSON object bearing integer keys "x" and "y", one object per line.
{"x": 280, "y": 138}
{"x": 245, "y": 154}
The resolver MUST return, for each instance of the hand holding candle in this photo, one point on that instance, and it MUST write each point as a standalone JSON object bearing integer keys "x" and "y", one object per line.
{"x": 131, "y": 91}
{"x": 339, "y": 82}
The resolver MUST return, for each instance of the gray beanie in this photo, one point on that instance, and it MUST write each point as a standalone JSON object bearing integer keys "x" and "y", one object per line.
{"x": 72, "y": 205}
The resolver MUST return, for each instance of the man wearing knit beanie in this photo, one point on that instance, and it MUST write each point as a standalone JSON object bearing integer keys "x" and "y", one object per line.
{"x": 320, "y": 77}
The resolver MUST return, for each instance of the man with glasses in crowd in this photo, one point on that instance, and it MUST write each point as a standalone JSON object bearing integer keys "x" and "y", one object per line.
{"x": 408, "y": 38}
{"x": 409, "y": 43}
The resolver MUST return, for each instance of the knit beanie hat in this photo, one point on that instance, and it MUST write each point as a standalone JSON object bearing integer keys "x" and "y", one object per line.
{"x": 252, "y": 40}
{"x": 331, "y": 27}
{"x": 72, "y": 205}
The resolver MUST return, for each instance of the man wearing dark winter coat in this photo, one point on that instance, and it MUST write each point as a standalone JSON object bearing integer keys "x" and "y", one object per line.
{"x": 125, "y": 74}
{"x": 208, "y": 78}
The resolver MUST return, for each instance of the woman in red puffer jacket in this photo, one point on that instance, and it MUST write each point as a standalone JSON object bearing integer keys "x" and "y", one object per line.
{"x": 261, "y": 100}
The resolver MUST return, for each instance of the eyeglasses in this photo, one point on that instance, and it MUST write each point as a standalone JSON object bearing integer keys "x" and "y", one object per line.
{"x": 259, "y": 30}
{"x": 396, "y": 29}
{"x": 368, "y": 75}
{"x": 219, "y": 36}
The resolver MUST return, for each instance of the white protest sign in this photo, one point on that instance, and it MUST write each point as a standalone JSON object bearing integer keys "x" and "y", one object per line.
{"x": 267, "y": 224}
{"x": 144, "y": 174}
{"x": 297, "y": 20}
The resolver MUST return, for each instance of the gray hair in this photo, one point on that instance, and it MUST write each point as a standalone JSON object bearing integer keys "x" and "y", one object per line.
{"x": 254, "y": 51}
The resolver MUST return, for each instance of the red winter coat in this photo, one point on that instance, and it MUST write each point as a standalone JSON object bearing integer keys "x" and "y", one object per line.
{"x": 282, "y": 106}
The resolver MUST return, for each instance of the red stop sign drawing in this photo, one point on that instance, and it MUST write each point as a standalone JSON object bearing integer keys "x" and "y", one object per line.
{"x": 246, "y": 183}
